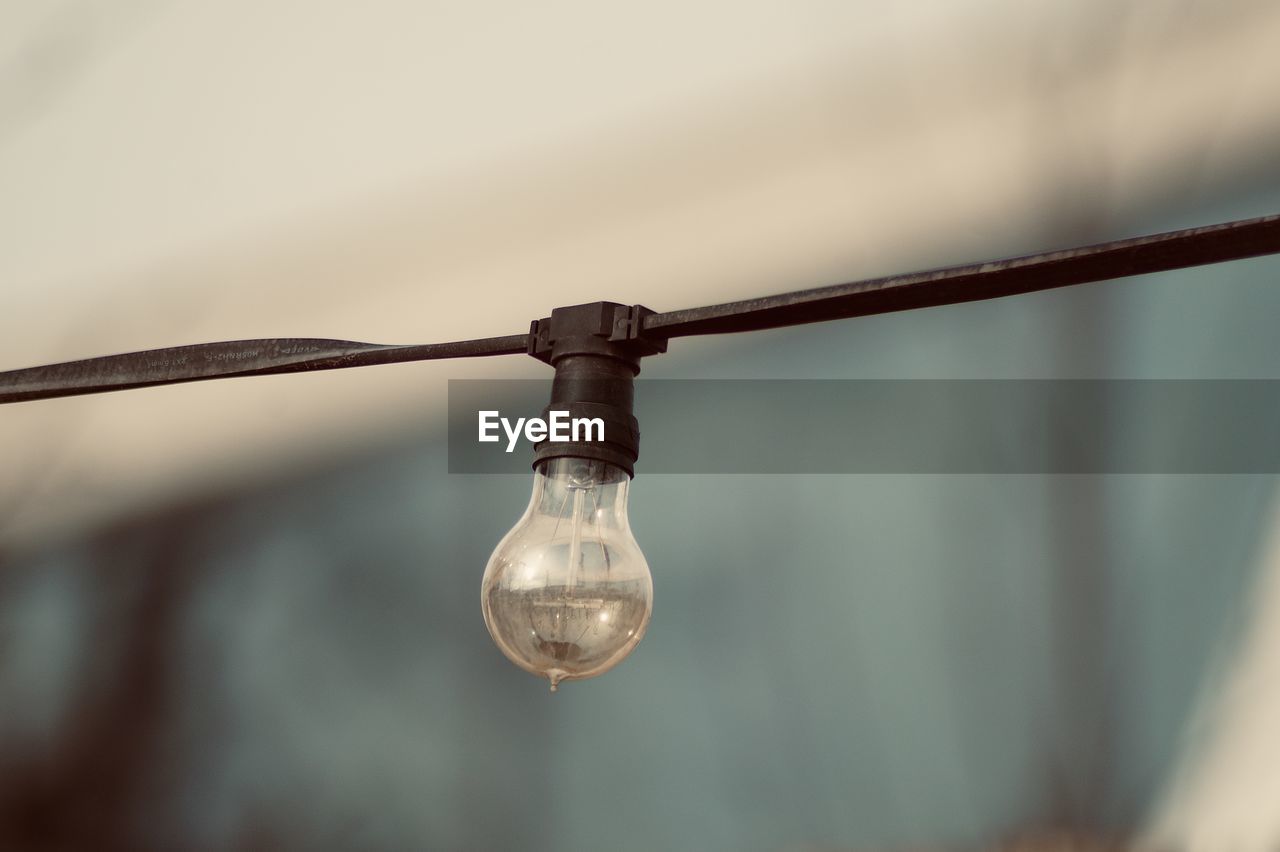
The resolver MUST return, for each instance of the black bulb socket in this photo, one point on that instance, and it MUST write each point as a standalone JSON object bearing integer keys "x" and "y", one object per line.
{"x": 596, "y": 350}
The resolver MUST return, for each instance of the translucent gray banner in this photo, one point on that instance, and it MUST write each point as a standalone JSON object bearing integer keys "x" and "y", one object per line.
{"x": 911, "y": 426}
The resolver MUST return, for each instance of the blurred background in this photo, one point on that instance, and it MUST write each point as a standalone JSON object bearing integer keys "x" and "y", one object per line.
{"x": 245, "y": 614}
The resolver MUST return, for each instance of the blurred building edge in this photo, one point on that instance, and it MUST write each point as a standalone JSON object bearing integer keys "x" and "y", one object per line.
{"x": 1226, "y": 793}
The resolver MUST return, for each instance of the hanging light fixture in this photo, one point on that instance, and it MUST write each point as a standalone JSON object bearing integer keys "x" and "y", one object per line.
{"x": 567, "y": 593}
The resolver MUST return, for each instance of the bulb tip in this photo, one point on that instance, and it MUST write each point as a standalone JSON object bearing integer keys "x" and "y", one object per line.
{"x": 555, "y": 681}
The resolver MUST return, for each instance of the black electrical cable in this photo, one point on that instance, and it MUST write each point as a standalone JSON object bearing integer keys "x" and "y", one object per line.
{"x": 1044, "y": 271}
{"x": 233, "y": 358}
{"x": 951, "y": 285}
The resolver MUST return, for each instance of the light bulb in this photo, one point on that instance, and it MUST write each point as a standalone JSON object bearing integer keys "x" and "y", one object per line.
{"x": 567, "y": 592}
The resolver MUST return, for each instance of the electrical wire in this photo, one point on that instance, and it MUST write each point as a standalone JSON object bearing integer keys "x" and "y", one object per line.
{"x": 955, "y": 284}
{"x": 229, "y": 359}
{"x": 951, "y": 285}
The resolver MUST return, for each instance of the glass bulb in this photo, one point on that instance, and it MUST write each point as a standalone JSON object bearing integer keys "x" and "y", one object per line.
{"x": 567, "y": 593}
